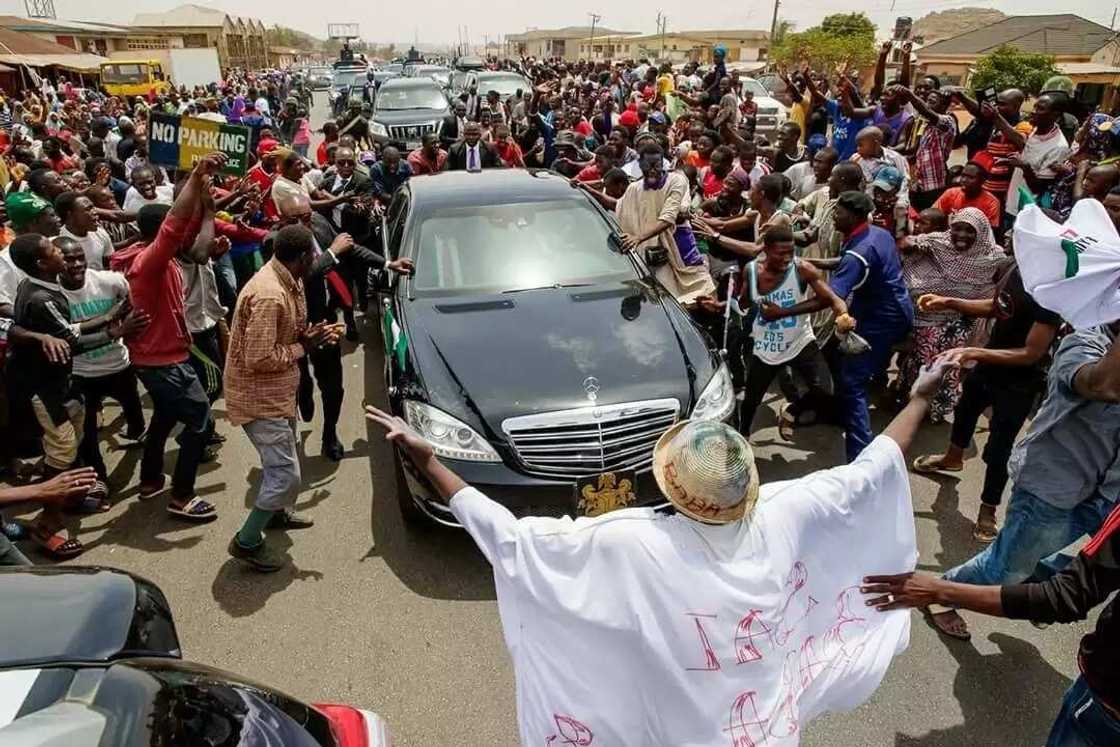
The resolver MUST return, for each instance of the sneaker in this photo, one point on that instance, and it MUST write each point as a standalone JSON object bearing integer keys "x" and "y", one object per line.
{"x": 290, "y": 520}
{"x": 209, "y": 454}
{"x": 259, "y": 558}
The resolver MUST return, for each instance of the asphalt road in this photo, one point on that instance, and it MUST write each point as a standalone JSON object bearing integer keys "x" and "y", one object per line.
{"x": 406, "y": 624}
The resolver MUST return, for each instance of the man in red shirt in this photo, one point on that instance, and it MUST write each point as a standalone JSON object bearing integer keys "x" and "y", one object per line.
{"x": 429, "y": 158}
{"x": 160, "y": 353}
{"x": 971, "y": 193}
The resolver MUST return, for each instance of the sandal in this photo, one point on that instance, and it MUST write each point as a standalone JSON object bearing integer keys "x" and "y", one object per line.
{"x": 985, "y": 531}
{"x": 932, "y": 463}
{"x": 949, "y": 623}
{"x": 195, "y": 509}
{"x": 96, "y": 501}
{"x": 786, "y": 423}
{"x": 58, "y": 545}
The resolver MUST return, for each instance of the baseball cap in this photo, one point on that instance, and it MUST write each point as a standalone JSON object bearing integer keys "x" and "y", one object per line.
{"x": 706, "y": 469}
{"x": 24, "y": 207}
{"x": 887, "y": 178}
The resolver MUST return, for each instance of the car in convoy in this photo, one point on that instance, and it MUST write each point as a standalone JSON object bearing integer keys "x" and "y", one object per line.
{"x": 319, "y": 78}
{"x": 406, "y": 109}
{"x": 540, "y": 360}
{"x": 438, "y": 73}
{"x": 90, "y": 657}
{"x": 772, "y": 114}
{"x": 505, "y": 83}
{"x": 348, "y": 84}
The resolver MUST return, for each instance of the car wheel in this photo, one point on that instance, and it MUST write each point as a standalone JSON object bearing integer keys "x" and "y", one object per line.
{"x": 413, "y": 517}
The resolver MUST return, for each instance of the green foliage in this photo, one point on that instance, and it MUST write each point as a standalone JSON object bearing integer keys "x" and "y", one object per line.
{"x": 1008, "y": 67}
{"x": 841, "y": 38}
{"x": 848, "y": 23}
{"x": 282, "y": 36}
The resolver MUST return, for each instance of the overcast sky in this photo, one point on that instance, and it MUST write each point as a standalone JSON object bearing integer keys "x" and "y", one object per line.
{"x": 437, "y": 21}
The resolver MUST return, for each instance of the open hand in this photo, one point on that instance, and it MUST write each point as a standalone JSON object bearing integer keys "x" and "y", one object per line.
{"x": 929, "y": 378}
{"x": 901, "y": 591}
{"x": 135, "y": 322}
{"x": 66, "y": 485}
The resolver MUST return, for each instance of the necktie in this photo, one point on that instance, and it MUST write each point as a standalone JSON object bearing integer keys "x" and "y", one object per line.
{"x": 472, "y": 159}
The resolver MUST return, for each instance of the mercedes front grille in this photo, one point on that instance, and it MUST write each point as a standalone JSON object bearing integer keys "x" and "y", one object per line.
{"x": 591, "y": 440}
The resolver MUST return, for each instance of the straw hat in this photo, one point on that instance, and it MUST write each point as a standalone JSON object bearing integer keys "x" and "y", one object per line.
{"x": 706, "y": 470}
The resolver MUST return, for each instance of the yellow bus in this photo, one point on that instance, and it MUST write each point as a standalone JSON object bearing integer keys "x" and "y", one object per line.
{"x": 133, "y": 77}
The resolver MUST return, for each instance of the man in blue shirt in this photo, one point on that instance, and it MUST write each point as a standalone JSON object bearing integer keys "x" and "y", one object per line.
{"x": 869, "y": 275}
{"x": 389, "y": 174}
{"x": 841, "y": 110}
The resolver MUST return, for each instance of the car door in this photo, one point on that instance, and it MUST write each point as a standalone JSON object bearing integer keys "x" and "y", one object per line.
{"x": 390, "y": 288}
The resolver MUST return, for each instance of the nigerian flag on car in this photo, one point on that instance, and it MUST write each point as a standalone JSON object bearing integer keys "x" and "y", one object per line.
{"x": 1071, "y": 268}
{"x": 396, "y": 342}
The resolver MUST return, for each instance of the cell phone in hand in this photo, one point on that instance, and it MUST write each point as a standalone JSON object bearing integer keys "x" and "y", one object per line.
{"x": 986, "y": 95}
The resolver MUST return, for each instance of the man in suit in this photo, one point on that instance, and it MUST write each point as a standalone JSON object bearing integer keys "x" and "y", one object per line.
{"x": 326, "y": 362}
{"x": 472, "y": 154}
{"x": 454, "y": 124}
{"x": 344, "y": 178}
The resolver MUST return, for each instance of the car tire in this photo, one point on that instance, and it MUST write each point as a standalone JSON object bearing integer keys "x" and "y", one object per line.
{"x": 413, "y": 517}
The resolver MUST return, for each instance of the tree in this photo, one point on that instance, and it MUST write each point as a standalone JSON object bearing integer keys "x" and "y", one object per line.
{"x": 842, "y": 38}
{"x": 1009, "y": 67}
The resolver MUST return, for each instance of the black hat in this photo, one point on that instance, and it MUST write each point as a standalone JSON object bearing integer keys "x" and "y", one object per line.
{"x": 855, "y": 202}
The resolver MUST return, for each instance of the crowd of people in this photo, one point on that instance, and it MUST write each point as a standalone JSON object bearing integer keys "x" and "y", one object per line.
{"x": 846, "y": 254}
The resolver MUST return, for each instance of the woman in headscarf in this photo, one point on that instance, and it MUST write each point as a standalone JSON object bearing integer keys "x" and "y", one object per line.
{"x": 962, "y": 262}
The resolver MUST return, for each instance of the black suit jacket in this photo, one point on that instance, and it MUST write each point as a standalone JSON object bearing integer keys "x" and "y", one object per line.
{"x": 457, "y": 157}
{"x": 315, "y": 286}
{"x": 449, "y": 133}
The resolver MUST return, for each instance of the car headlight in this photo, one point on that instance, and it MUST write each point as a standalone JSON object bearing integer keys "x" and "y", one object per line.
{"x": 378, "y": 129}
{"x": 717, "y": 401}
{"x": 450, "y": 437}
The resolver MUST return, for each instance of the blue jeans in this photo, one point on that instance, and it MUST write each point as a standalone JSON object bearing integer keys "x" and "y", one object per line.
{"x": 1083, "y": 721}
{"x": 177, "y": 397}
{"x": 1032, "y": 535}
{"x": 856, "y": 372}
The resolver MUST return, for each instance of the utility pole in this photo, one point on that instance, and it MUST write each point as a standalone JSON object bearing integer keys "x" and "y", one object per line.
{"x": 1113, "y": 24}
{"x": 773, "y": 26}
{"x": 591, "y": 39}
{"x": 662, "y": 20}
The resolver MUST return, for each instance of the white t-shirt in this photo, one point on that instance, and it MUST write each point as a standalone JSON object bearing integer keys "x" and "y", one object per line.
{"x": 1042, "y": 153}
{"x": 640, "y": 628}
{"x": 803, "y": 178}
{"x": 10, "y": 277}
{"x": 102, "y": 291}
{"x": 133, "y": 200}
{"x": 97, "y": 245}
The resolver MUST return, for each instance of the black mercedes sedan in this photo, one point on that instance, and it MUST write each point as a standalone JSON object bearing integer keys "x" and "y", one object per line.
{"x": 540, "y": 360}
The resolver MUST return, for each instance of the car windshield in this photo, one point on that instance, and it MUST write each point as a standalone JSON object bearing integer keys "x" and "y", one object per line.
{"x": 341, "y": 80}
{"x": 505, "y": 85}
{"x": 320, "y": 71}
{"x": 126, "y": 72}
{"x": 410, "y": 97}
{"x": 516, "y": 246}
{"x": 752, "y": 85}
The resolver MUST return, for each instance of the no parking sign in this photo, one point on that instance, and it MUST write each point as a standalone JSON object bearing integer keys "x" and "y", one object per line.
{"x": 180, "y": 142}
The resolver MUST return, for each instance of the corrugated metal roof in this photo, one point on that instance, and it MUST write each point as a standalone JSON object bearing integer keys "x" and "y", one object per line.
{"x": 19, "y": 23}
{"x": 190, "y": 15}
{"x": 74, "y": 61}
{"x": 1087, "y": 68}
{"x": 1064, "y": 34}
{"x": 18, "y": 43}
{"x": 568, "y": 32}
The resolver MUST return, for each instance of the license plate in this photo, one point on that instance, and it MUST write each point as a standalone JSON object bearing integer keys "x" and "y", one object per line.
{"x": 601, "y": 494}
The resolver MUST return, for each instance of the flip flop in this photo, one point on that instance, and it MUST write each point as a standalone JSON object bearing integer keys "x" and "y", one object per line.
{"x": 96, "y": 501}
{"x": 58, "y": 546}
{"x": 985, "y": 532}
{"x": 786, "y": 423}
{"x": 195, "y": 509}
{"x": 935, "y": 618}
{"x": 932, "y": 463}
